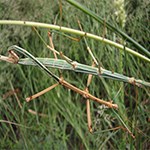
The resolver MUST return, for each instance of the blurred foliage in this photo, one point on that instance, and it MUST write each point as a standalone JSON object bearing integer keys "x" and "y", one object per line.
{"x": 66, "y": 124}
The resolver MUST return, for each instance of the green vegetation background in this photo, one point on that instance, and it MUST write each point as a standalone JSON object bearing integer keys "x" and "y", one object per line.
{"x": 65, "y": 126}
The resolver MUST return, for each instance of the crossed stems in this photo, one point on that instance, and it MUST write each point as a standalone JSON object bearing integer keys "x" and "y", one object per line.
{"x": 13, "y": 58}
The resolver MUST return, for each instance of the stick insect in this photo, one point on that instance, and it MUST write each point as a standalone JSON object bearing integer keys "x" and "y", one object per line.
{"x": 67, "y": 64}
{"x": 44, "y": 63}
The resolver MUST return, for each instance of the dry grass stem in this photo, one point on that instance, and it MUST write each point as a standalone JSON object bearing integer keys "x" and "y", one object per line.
{"x": 36, "y": 113}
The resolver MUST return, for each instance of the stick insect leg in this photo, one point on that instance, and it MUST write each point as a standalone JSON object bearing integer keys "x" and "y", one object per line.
{"x": 88, "y": 80}
{"x": 88, "y": 114}
{"x": 12, "y": 58}
{"x": 88, "y": 104}
{"x": 41, "y": 93}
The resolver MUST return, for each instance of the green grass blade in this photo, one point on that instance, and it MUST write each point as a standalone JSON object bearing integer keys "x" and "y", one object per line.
{"x": 99, "y": 19}
{"x": 77, "y": 32}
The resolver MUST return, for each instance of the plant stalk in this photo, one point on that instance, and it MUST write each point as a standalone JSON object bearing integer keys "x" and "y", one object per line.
{"x": 73, "y": 31}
